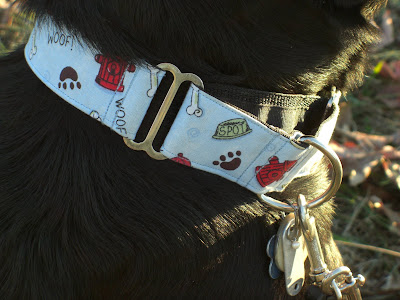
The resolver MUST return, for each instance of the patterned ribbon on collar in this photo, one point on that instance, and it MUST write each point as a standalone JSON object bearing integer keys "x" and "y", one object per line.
{"x": 207, "y": 133}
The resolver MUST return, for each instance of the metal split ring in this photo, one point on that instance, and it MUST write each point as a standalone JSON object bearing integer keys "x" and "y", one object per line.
{"x": 328, "y": 194}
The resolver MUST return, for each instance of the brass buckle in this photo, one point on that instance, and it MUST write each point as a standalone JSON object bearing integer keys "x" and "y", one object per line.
{"x": 179, "y": 78}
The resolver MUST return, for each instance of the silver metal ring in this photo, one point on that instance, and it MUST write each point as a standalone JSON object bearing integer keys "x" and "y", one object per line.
{"x": 328, "y": 194}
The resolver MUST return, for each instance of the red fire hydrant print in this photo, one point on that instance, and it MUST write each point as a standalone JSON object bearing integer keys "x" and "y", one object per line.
{"x": 111, "y": 73}
{"x": 180, "y": 159}
{"x": 274, "y": 171}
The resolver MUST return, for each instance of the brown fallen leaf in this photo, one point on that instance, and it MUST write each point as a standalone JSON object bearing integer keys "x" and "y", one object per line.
{"x": 369, "y": 141}
{"x": 357, "y": 163}
{"x": 363, "y": 170}
{"x": 361, "y": 152}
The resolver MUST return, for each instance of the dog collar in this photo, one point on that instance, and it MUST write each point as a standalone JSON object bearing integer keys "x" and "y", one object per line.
{"x": 207, "y": 134}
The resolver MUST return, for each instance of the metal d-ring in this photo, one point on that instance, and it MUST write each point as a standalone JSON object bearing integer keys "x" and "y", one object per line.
{"x": 328, "y": 194}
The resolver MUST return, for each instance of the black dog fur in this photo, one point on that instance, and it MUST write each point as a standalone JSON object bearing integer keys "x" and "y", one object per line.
{"x": 84, "y": 217}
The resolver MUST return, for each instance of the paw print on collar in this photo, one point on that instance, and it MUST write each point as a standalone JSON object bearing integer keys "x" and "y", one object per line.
{"x": 230, "y": 165}
{"x": 69, "y": 74}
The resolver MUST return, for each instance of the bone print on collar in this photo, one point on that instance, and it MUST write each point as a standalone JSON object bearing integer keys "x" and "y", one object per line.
{"x": 118, "y": 94}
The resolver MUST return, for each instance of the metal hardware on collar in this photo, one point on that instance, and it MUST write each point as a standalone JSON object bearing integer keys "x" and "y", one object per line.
{"x": 303, "y": 216}
{"x": 330, "y": 278}
{"x": 294, "y": 140}
{"x": 309, "y": 230}
{"x": 320, "y": 274}
{"x": 297, "y": 239}
{"x": 329, "y": 193}
{"x": 179, "y": 78}
{"x": 290, "y": 254}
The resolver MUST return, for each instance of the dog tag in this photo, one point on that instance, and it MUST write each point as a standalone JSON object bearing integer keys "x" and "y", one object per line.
{"x": 273, "y": 270}
{"x": 291, "y": 253}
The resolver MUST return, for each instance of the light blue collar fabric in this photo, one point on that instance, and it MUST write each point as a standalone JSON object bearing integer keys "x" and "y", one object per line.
{"x": 207, "y": 134}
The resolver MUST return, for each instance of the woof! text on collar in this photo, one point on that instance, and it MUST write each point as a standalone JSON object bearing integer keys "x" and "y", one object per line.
{"x": 118, "y": 94}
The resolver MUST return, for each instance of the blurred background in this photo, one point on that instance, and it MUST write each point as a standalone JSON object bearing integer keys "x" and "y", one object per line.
{"x": 367, "y": 140}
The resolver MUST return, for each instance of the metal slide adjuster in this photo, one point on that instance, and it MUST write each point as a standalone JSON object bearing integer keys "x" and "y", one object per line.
{"x": 179, "y": 78}
{"x": 328, "y": 194}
